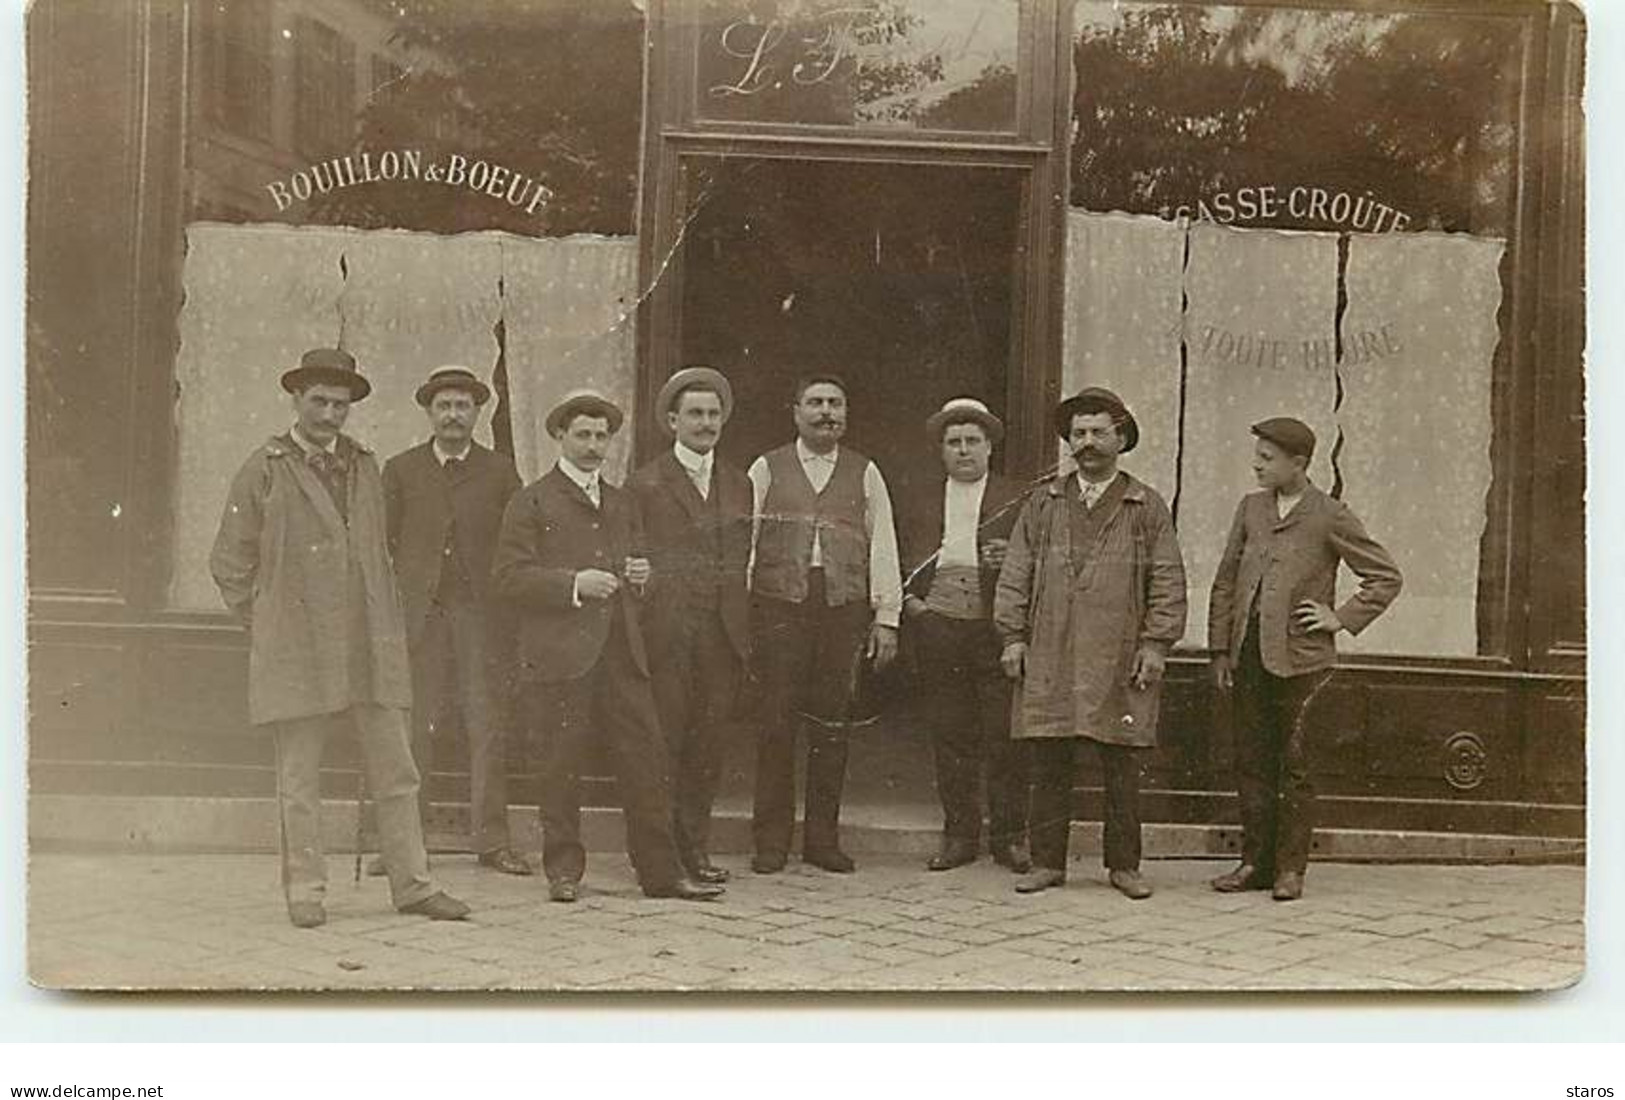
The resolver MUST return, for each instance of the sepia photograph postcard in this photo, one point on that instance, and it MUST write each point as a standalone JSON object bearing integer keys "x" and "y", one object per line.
{"x": 806, "y": 495}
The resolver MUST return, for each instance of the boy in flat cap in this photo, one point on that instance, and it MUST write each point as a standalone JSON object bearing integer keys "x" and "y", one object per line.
{"x": 1272, "y": 631}
{"x": 567, "y": 557}
{"x": 694, "y": 512}
{"x": 1090, "y": 599}
{"x": 953, "y": 542}
{"x": 443, "y": 502}
{"x": 300, "y": 559}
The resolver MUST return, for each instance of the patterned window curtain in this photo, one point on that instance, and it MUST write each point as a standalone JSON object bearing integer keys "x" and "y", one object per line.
{"x": 1419, "y": 338}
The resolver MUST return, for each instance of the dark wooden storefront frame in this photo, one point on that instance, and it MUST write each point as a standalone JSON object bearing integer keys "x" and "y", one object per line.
{"x": 128, "y": 695}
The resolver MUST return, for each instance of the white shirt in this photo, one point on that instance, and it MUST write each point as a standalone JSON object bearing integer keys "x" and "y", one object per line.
{"x": 1090, "y": 492}
{"x": 442, "y": 456}
{"x": 885, "y": 572}
{"x": 1284, "y": 504}
{"x": 310, "y": 446}
{"x": 697, "y": 465}
{"x": 961, "y": 514}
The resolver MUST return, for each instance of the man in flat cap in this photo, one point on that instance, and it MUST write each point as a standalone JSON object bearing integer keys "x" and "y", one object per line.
{"x": 568, "y": 558}
{"x": 1272, "y": 630}
{"x": 1089, "y": 601}
{"x": 443, "y": 502}
{"x": 953, "y": 542}
{"x": 300, "y": 559}
{"x": 694, "y": 512}
{"x": 827, "y": 594}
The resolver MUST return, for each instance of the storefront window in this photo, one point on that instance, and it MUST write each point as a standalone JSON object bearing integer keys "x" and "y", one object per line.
{"x": 1305, "y": 212}
{"x": 869, "y": 64}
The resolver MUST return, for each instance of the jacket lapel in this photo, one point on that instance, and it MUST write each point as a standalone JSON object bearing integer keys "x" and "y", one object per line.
{"x": 312, "y": 486}
{"x": 682, "y": 487}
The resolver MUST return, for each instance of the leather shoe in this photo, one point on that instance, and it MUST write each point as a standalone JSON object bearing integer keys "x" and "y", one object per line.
{"x": 438, "y": 906}
{"x": 506, "y": 860}
{"x": 1288, "y": 886}
{"x": 954, "y": 853}
{"x": 1016, "y": 857}
{"x": 830, "y": 859}
{"x": 1131, "y": 884}
{"x": 701, "y": 869}
{"x": 565, "y": 890}
{"x": 685, "y": 890}
{"x": 768, "y": 863}
{"x": 1040, "y": 878}
{"x": 307, "y": 914}
{"x": 1243, "y": 877}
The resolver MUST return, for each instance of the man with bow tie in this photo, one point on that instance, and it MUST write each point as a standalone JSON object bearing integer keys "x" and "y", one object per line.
{"x": 300, "y": 560}
{"x": 443, "y": 502}
{"x": 568, "y": 558}
{"x": 694, "y": 511}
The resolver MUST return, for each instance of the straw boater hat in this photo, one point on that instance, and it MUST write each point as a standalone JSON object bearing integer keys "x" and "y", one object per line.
{"x": 963, "y": 410}
{"x": 687, "y": 377}
{"x": 453, "y": 378}
{"x": 327, "y": 367}
{"x": 578, "y": 402}
{"x": 1292, "y": 436}
{"x": 1098, "y": 399}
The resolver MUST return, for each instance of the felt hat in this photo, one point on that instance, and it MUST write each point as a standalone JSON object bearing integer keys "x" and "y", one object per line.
{"x": 579, "y": 402}
{"x": 327, "y": 367}
{"x": 687, "y": 377}
{"x": 961, "y": 410}
{"x": 1098, "y": 399}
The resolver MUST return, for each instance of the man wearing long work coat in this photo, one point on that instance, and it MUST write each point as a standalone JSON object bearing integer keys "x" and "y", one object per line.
{"x": 1090, "y": 599}
{"x": 300, "y": 560}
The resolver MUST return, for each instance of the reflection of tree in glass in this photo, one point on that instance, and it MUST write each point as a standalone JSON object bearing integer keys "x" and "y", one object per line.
{"x": 551, "y": 89}
{"x": 1176, "y": 103}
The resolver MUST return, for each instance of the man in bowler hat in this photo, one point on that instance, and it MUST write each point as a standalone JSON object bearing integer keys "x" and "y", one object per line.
{"x": 568, "y": 557}
{"x": 1090, "y": 599}
{"x": 1272, "y": 628}
{"x": 300, "y": 559}
{"x": 443, "y": 502}
{"x": 953, "y": 542}
{"x": 694, "y": 511}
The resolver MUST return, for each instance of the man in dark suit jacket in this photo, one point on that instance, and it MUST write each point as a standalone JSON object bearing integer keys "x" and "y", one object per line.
{"x": 953, "y": 543}
{"x": 1272, "y": 630}
{"x": 694, "y": 512}
{"x": 443, "y": 503}
{"x": 567, "y": 557}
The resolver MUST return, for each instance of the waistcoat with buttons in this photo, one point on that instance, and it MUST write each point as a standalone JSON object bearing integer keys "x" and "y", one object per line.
{"x": 790, "y": 515}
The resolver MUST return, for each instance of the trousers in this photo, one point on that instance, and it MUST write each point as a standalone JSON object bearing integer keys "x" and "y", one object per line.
{"x": 452, "y": 664}
{"x": 808, "y": 655}
{"x": 1273, "y": 772}
{"x": 1054, "y": 771}
{"x": 392, "y": 783}
{"x": 967, "y": 707}
{"x": 696, "y": 681}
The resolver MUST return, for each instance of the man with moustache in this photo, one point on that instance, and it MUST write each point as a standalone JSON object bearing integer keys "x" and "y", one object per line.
{"x": 694, "y": 512}
{"x": 954, "y": 542}
{"x": 567, "y": 558}
{"x": 443, "y": 501}
{"x": 1272, "y": 630}
{"x": 827, "y": 594}
{"x": 1090, "y": 599}
{"x": 300, "y": 560}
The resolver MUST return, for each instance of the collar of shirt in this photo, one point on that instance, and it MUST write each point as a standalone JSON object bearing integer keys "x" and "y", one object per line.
{"x": 1098, "y": 487}
{"x": 587, "y": 480}
{"x": 311, "y": 447}
{"x": 1284, "y": 504}
{"x": 443, "y": 456}
{"x": 696, "y": 464}
{"x": 807, "y": 454}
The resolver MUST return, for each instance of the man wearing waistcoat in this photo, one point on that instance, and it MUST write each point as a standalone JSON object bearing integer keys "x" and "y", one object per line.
{"x": 443, "y": 500}
{"x": 1090, "y": 599}
{"x": 1272, "y": 630}
{"x": 568, "y": 558}
{"x": 826, "y": 592}
{"x": 953, "y": 542}
{"x": 694, "y": 512}
{"x": 300, "y": 560}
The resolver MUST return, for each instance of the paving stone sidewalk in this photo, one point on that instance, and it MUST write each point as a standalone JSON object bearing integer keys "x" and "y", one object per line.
{"x": 217, "y": 922}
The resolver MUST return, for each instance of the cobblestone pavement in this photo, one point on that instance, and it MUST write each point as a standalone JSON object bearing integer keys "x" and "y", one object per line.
{"x": 217, "y": 922}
